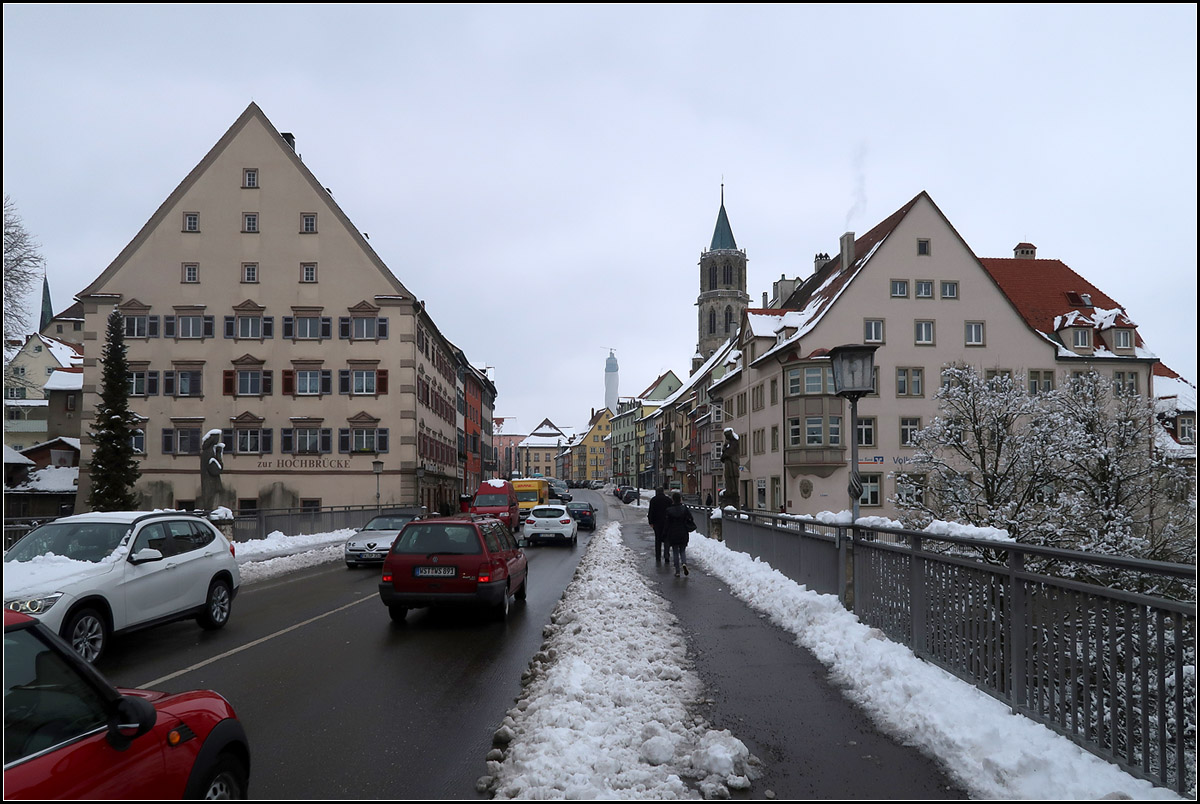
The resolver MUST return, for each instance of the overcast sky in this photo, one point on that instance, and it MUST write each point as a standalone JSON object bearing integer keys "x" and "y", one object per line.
{"x": 546, "y": 177}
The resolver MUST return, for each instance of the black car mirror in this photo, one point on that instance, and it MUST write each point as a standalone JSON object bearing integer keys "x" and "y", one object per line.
{"x": 131, "y": 718}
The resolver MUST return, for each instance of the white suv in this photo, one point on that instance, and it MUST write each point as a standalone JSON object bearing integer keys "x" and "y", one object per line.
{"x": 92, "y": 575}
{"x": 550, "y": 523}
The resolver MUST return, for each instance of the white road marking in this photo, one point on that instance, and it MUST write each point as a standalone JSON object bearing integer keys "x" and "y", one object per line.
{"x": 153, "y": 684}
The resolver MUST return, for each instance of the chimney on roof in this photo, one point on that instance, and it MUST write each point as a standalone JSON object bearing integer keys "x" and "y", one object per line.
{"x": 290, "y": 139}
{"x": 1025, "y": 251}
{"x": 784, "y": 288}
{"x": 819, "y": 262}
{"x": 765, "y": 302}
{"x": 847, "y": 243}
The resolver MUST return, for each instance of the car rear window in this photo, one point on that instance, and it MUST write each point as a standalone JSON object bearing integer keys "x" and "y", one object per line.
{"x": 548, "y": 513}
{"x": 427, "y": 538}
{"x": 492, "y": 500}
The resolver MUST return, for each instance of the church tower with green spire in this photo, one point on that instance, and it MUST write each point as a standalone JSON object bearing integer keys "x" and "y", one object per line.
{"x": 47, "y": 308}
{"x": 723, "y": 294}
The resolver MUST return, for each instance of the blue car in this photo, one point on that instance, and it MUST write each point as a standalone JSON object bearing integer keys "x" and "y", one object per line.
{"x": 583, "y": 513}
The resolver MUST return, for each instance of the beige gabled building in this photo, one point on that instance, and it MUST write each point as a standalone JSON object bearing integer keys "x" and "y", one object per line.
{"x": 254, "y": 307}
{"x": 913, "y": 287}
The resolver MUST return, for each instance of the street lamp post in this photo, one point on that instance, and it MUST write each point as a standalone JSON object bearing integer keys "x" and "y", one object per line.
{"x": 853, "y": 378}
{"x": 377, "y": 468}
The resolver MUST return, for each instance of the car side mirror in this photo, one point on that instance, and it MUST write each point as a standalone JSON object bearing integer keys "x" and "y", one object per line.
{"x": 131, "y": 718}
{"x": 146, "y": 554}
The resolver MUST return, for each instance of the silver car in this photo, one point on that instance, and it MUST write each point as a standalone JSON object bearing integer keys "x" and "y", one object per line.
{"x": 370, "y": 544}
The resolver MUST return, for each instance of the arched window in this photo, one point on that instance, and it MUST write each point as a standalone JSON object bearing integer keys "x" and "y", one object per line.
{"x": 728, "y": 320}
{"x": 712, "y": 276}
{"x": 728, "y": 274}
{"x": 712, "y": 319}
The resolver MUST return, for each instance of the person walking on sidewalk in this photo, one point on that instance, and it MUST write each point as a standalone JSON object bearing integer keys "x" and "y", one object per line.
{"x": 679, "y": 524}
{"x": 658, "y": 520}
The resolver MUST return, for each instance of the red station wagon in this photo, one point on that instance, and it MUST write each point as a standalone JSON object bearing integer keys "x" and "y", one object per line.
{"x": 460, "y": 560}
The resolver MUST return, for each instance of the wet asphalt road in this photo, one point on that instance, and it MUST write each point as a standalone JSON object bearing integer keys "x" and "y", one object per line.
{"x": 339, "y": 703}
{"x": 776, "y": 697}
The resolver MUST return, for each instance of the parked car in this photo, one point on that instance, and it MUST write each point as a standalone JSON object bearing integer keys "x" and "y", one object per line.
{"x": 89, "y": 576}
{"x": 370, "y": 544}
{"x": 459, "y": 560}
{"x": 551, "y": 523}
{"x": 498, "y": 498}
{"x": 630, "y": 494}
{"x": 583, "y": 513}
{"x": 69, "y": 734}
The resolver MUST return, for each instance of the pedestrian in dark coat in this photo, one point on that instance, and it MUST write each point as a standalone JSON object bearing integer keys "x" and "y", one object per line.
{"x": 658, "y": 520}
{"x": 679, "y": 524}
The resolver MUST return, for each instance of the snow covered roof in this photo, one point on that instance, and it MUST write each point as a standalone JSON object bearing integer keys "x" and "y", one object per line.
{"x": 72, "y": 443}
{"x": 65, "y": 379}
{"x": 11, "y": 456}
{"x": 66, "y": 354}
{"x": 51, "y": 480}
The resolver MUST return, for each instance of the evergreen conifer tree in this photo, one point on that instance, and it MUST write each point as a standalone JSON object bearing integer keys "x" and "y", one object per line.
{"x": 114, "y": 469}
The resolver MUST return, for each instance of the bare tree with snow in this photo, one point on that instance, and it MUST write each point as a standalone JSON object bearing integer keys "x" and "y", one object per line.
{"x": 24, "y": 268}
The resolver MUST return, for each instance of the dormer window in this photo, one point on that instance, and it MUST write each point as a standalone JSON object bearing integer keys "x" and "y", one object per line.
{"x": 1123, "y": 339}
{"x": 1082, "y": 339}
{"x": 1187, "y": 429}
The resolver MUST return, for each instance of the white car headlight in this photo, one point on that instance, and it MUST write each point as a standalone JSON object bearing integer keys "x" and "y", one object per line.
{"x": 33, "y": 605}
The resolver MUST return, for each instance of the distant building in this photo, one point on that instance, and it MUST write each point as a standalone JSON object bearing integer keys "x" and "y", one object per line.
{"x": 610, "y": 381}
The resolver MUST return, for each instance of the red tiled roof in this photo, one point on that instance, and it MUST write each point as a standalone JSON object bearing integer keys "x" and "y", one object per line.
{"x": 1038, "y": 289}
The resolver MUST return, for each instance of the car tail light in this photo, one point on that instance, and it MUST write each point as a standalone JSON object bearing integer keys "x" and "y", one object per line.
{"x": 530, "y": 521}
{"x": 232, "y": 550}
{"x": 485, "y": 572}
{"x": 565, "y": 521}
{"x": 387, "y": 577}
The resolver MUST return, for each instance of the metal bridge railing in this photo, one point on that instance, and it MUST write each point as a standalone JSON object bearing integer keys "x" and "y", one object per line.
{"x": 1111, "y": 669}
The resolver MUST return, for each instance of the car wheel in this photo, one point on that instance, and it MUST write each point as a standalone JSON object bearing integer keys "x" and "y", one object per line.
{"x": 87, "y": 634}
{"x": 397, "y": 613}
{"x": 227, "y": 780}
{"x": 217, "y": 606}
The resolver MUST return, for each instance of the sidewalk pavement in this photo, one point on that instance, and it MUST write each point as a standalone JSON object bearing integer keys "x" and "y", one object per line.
{"x": 776, "y": 697}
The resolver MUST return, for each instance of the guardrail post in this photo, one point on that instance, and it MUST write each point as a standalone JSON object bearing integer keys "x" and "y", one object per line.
{"x": 1015, "y": 624}
{"x": 845, "y": 542}
{"x": 916, "y": 597}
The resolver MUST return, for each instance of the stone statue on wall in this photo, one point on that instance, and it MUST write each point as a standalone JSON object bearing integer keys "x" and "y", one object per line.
{"x": 212, "y": 453}
{"x": 730, "y": 457}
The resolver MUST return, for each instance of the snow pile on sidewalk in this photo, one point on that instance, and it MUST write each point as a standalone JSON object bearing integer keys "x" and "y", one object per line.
{"x": 992, "y": 753}
{"x": 605, "y": 713}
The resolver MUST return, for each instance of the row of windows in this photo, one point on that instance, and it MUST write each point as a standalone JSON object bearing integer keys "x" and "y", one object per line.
{"x": 924, "y": 332}
{"x": 260, "y": 440}
{"x": 251, "y": 222}
{"x": 923, "y": 288}
{"x": 189, "y": 273}
{"x": 821, "y": 431}
{"x": 257, "y": 327}
{"x": 259, "y": 382}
